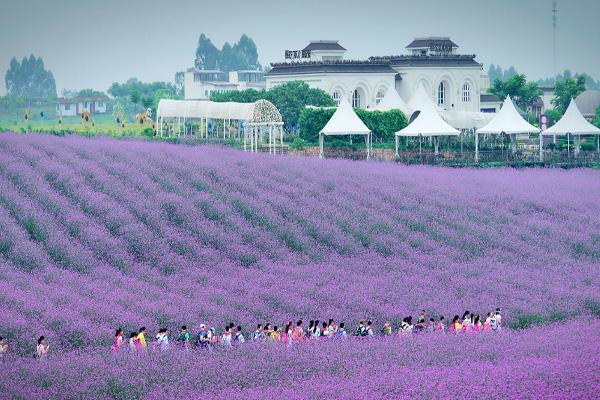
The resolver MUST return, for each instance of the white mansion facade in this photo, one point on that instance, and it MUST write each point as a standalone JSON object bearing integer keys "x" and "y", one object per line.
{"x": 454, "y": 81}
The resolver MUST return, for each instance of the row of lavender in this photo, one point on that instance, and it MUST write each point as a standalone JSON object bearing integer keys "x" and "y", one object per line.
{"x": 96, "y": 233}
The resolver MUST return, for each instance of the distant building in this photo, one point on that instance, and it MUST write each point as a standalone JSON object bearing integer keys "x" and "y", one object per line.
{"x": 547, "y": 96}
{"x": 588, "y": 102}
{"x": 490, "y": 103}
{"x": 454, "y": 81}
{"x": 75, "y": 106}
{"x": 200, "y": 84}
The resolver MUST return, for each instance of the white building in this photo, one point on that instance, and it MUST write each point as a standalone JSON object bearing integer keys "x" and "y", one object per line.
{"x": 200, "y": 84}
{"x": 453, "y": 81}
{"x": 77, "y": 105}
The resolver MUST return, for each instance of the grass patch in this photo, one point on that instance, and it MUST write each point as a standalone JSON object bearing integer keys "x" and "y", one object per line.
{"x": 528, "y": 320}
{"x": 592, "y": 306}
{"x": 35, "y": 230}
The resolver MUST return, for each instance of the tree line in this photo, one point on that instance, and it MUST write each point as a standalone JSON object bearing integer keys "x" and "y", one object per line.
{"x": 242, "y": 55}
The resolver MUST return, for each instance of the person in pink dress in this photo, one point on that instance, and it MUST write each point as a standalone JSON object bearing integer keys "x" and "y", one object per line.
{"x": 477, "y": 326}
{"x": 118, "y": 340}
{"x": 487, "y": 325}
{"x": 441, "y": 325}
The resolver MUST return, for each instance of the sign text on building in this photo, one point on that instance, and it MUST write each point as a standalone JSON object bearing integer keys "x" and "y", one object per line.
{"x": 440, "y": 47}
{"x": 296, "y": 54}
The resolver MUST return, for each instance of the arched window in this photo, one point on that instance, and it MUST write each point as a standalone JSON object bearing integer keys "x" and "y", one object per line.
{"x": 466, "y": 93}
{"x": 441, "y": 94}
{"x": 379, "y": 96}
{"x": 336, "y": 96}
{"x": 355, "y": 99}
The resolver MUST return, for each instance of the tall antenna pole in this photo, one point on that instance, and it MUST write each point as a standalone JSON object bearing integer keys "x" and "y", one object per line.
{"x": 554, "y": 18}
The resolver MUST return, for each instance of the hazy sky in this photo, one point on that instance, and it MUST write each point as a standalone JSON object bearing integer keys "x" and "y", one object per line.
{"x": 94, "y": 43}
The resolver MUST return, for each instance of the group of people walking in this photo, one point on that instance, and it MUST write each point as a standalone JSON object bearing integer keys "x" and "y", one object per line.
{"x": 232, "y": 335}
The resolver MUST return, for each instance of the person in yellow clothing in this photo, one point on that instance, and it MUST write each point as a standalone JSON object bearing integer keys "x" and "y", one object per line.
{"x": 142, "y": 338}
{"x": 276, "y": 335}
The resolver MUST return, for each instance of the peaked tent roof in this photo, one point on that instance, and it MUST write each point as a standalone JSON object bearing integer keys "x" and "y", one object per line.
{"x": 420, "y": 100}
{"x": 393, "y": 101}
{"x": 345, "y": 122}
{"x": 509, "y": 121}
{"x": 572, "y": 122}
{"x": 428, "y": 122}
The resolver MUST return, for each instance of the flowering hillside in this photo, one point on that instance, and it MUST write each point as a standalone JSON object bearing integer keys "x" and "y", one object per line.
{"x": 97, "y": 234}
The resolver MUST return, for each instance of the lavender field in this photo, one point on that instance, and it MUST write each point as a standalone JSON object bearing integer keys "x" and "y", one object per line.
{"x": 98, "y": 233}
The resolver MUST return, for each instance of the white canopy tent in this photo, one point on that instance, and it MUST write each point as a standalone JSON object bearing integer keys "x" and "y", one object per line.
{"x": 507, "y": 121}
{"x": 259, "y": 117}
{"x": 572, "y": 122}
{"x": 345, "y": 122}
{"x": 466, "y": 119}
{"x": 392, "y": 101}
{"x": 428, "y": 123}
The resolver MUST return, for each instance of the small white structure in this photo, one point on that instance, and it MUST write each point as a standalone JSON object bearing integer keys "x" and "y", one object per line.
{"x": 428, "y": 123}
{"x": 573, "y": 122}
{"x": 507, "y": 121}
{"x": 66, "y": 107}
{"x": 200, "y": 84}
{"x": 345, "y": 122}
{"x": 257, "y": 119}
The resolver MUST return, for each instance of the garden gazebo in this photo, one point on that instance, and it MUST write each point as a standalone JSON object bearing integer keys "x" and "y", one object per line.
{"x": 265, "y": 117}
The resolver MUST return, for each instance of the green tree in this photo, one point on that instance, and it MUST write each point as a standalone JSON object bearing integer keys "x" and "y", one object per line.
{"x": 312, "y": 121}
{"x": 248, "y": 54}
{"x": 207, "y": 55}
{"x": 90, "y": 93}
{"x": 566, "y": 90}
{"x": 29, "y": 78}
{"x": 135, "y": 97}
{"x": 597, "y": 118}
{"x": 179, "y": 83}
{"x": 522, "y": 92}
{"x": 290, "y": 98}
{"x": 553, "y": 116}
{"x": 134, "y": 85}
{"x": 230, "y": 60}
{"x": 163, "y": 94}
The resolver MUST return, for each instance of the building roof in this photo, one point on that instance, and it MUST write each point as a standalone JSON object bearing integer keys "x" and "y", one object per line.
{"x": 73, "y": 100}
{"x": 324, "y": 45}
{"x": 205, "y": 71}
{"x": 339, "y": 66}
{"x": 430, "y": 40}
{"x": 431, "y": 61}
{"x": 221, "y": 83}
{"x": 588, "y": 102}
{"x": 489, "y": 98}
